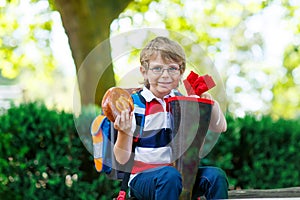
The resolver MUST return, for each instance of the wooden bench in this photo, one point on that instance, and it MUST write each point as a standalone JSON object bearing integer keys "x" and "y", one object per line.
{"x": 292, "y": 192}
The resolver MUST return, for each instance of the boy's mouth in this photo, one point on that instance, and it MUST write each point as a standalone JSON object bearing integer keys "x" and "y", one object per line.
{"x": 164, "y": 83}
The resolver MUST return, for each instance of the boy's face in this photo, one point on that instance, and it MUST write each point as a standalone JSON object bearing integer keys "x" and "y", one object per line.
{"x": 163, "y": 76}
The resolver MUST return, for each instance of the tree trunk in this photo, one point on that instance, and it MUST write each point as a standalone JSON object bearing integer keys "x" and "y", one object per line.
{"x": 87, "y": 24}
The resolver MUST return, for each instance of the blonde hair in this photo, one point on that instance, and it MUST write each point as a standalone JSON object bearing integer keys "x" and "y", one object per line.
{"x": 168, "y": 49}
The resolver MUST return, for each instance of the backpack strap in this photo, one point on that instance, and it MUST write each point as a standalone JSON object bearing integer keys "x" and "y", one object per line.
{"x": 139, "y": 112}
{"x": 177, "y": 93}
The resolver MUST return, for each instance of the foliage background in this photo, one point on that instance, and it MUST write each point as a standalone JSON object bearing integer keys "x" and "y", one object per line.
{"x": 259, "y": 152}
{"x": 254, "y": 45}
{"x": 41, "y": 154}
{"x": 38, "y": 159}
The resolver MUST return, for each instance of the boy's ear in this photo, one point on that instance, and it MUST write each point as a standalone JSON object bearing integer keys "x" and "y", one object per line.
{"x": 143, "y": 71}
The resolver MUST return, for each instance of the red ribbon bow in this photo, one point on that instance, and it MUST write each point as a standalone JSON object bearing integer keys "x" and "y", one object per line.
{"x": 195, "y": 84}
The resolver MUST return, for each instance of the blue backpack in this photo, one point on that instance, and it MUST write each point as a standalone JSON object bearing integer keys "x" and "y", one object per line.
{"x": 104, "y": 137}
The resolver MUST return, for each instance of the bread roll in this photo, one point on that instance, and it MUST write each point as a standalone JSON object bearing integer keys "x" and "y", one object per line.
{"x": 116, "y": 100}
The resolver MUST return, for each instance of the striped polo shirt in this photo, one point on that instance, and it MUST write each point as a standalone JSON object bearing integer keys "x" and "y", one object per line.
{"x": 152, "y": 149}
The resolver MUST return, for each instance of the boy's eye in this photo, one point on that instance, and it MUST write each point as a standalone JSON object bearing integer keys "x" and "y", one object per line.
{"x": 173, "y": 69}
{"x": 157, "y": 69}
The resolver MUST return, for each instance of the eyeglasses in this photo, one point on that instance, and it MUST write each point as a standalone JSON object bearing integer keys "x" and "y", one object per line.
{"x": 173, "y": 69}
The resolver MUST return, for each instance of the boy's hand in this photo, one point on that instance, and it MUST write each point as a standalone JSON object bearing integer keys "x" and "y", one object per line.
{"x": 206, "y": 95}
{"x": 123, "y": 145}
{"x": 123, "y": 122}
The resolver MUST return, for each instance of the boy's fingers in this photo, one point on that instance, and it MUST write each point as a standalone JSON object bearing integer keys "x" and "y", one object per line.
{"x": 130, "y": 116}
{"x": 117, "y": 120}
{"x": 206, "y": 96}
{"x": 127, "y": 115}
{"x": 122, "y": 116}
{"x": 116, "y": 123}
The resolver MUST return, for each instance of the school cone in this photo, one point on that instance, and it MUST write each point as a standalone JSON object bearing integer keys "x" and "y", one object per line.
{"x": 185, "y": 195}
{"x": 190, "y": 119}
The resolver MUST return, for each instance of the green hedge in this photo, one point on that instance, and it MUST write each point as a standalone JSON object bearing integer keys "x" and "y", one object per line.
{"x": 42, "y": 156}
{"x": 259, "y": 153}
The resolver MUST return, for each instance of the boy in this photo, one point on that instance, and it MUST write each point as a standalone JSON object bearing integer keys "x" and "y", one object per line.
{"x": 153, "y": 176}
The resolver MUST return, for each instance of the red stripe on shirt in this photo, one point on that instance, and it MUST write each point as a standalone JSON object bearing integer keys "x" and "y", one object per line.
{"x": 153, "y": 107}
{"x": 141, "y": 166}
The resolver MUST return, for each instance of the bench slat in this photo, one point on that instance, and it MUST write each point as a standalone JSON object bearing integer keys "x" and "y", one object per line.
{"x": 262, "y": 193}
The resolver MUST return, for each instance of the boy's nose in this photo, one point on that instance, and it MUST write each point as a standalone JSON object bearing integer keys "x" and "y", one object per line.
{"x": 165, "y": 72}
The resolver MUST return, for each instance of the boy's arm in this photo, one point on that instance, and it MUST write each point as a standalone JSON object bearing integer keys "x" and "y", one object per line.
{"x": 123, "y": 145}
{"x": 122, "y": 148}
{"x": 218, "y": 122}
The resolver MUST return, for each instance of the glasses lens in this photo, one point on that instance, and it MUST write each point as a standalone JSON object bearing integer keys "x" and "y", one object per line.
{"x": 157, "y": 70}
{"x": 172, "y": 69}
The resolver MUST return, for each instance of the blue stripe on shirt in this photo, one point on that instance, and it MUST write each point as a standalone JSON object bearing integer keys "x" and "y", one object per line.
{"x": 155, "y": 138}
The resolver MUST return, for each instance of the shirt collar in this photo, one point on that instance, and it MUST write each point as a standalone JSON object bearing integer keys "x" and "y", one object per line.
{"x": 149, "y": 96}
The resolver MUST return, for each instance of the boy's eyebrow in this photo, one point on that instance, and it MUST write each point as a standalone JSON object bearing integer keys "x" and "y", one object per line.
{"x": 156, "y": 63}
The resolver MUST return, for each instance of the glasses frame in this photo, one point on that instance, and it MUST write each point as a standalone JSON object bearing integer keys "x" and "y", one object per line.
{"x": 173, "y": 73}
